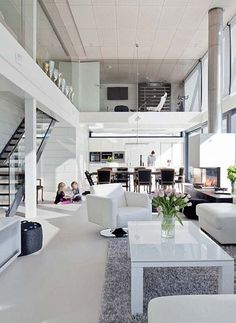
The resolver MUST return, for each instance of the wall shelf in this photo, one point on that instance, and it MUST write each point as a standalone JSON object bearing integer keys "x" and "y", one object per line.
{"x": 149, "y": 95}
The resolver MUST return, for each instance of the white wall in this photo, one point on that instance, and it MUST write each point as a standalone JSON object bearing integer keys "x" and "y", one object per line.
{"x": 58, "y": 162}
{"x": 89, "y": 86}
{"x": 165, "y": 148}
{"x": 12, "y": 113}
{"x": 131, "y": 103}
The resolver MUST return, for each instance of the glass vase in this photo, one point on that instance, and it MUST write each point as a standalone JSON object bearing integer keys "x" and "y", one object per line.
{"x": 233, "y": 188}
{"x": 168, "y": 226}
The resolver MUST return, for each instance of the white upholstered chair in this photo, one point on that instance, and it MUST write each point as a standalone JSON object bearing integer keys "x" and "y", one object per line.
{"x": 111, "y": 207}
{"x": 219, "y": 221}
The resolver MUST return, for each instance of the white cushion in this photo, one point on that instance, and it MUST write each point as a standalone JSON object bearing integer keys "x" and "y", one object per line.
{"x": 193, "y": 309}
{"x": 114, "y": 191}
{"x": 134, "y": 213}
{"x": 219, "y": 215}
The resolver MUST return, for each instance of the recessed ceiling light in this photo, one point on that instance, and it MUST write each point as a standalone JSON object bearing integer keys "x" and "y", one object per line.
{"x": 109, "y": 67}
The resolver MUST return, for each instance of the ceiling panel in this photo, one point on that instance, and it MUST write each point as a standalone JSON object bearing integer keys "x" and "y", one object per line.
{"x": 145, "y": 37}
{"x": 127, "y": 2}
{"x": 148, "y": 17}
{"x": 93, "y": 52}
{"x": 109, "y": 52}
{"x": 105, "y": 16}
{"x": 83, "y": 16}
{"x": 89, "y": 37}
{"x": 104, "y": 2}
{"x": 79, "y": 2}
{"x": 170, "y": 17}
{"x": 126, "y": 52}
{"x": 126, "y": 37}
{"x": 107, "y": 37}
{"x": 192, "y": 17}
{"x": 127, "y": 17}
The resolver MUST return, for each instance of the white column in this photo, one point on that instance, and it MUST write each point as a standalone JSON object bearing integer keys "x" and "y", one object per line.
{"x": 30, "y": 158}
{"x": 215, "y": 54}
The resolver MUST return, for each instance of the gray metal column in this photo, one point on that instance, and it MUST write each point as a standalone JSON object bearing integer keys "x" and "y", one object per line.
{"x": 215, "y": 54}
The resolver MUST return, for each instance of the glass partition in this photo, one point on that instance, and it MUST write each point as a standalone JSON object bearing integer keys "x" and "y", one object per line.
{"x": 10, "y": 17}
{"x": 17, "y": 17}
{"x": 53, "y": 59}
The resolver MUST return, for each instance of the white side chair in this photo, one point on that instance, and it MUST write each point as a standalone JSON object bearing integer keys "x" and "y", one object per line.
{"x": 193, "y": 309}
{"x": 160, "y": 105}
{"x": 111, "y": 207}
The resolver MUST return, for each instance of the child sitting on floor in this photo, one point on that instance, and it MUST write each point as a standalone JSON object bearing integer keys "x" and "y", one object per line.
{"x": 75, "y": 192}
{"x": 61, "y": 196}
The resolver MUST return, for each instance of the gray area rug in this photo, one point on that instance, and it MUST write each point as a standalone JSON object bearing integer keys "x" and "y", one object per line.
{"x": 115, "y": 307}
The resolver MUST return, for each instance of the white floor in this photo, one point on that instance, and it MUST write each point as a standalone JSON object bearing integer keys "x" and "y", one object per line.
{"x": 63, "y": 282}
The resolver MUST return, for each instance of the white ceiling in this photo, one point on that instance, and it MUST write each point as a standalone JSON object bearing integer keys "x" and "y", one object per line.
{"x": 171, "y": 34}
{"x": 164, "y": 29}
{"x": 125, "y": 70}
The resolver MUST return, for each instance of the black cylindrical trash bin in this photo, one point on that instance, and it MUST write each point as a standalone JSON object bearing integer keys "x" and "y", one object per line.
{"x": 31, "y": 237}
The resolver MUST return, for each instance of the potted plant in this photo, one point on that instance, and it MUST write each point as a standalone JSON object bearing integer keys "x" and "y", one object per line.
{"x": 109, "y": 159}
{"x": 169, "y": 203}
{"x": 232, "y": 177}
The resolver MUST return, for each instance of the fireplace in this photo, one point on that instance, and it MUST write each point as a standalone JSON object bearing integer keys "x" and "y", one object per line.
{"x": 206, "y": 177}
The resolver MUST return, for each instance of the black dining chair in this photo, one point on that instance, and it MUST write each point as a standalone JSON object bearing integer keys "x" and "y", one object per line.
{"x": 103, "y": 176}
{"x": 167, "y": 177}
{"x": 145, "y": 179}
{"x": 123, "y": 177}
{"x": 180, "y": 179}
{"x": 135, "y": 177}
{"x": 89, "y": 178}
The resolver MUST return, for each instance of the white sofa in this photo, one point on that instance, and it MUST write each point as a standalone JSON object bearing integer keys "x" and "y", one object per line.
{"x": 219, "y": 220}
{"x": 110, "y": 206}
{"x": 193, "y": 309}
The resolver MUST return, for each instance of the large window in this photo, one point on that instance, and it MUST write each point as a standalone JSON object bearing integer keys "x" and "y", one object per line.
{"x": 192, "y": 89}
{"x": 226, "y": 61}
{"x": 233, "y": 54}
{"x": 205, "y": 83}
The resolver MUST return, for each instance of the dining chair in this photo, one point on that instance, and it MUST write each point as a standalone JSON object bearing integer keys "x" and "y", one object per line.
{"x": 167, "y": 177}
{"x": 39, "y": 187}
{"x": 145, "y": 179}
{"x": 180, "y": 179}
{"x": 89, "y": 178}
{"x": 123, "y": 178}
{"x": 103, "y": 176}
{"x": 135, "y": 176}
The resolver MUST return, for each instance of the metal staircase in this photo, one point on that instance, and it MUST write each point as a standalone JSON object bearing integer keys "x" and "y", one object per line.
{"x": 12, "y": 158}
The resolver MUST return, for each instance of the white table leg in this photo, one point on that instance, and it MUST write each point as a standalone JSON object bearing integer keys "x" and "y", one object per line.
{"x": 136, "y": 290}
{"x": 226, "y": 278}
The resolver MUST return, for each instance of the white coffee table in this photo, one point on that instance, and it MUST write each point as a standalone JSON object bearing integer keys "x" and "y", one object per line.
{"x": 190, "y": 248}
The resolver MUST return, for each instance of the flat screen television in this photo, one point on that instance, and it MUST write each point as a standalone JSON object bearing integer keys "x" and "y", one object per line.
{"x": 117, "y": 93}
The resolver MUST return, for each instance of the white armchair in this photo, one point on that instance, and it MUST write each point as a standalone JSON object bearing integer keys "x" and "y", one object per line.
{"x": 110, "y": 206}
